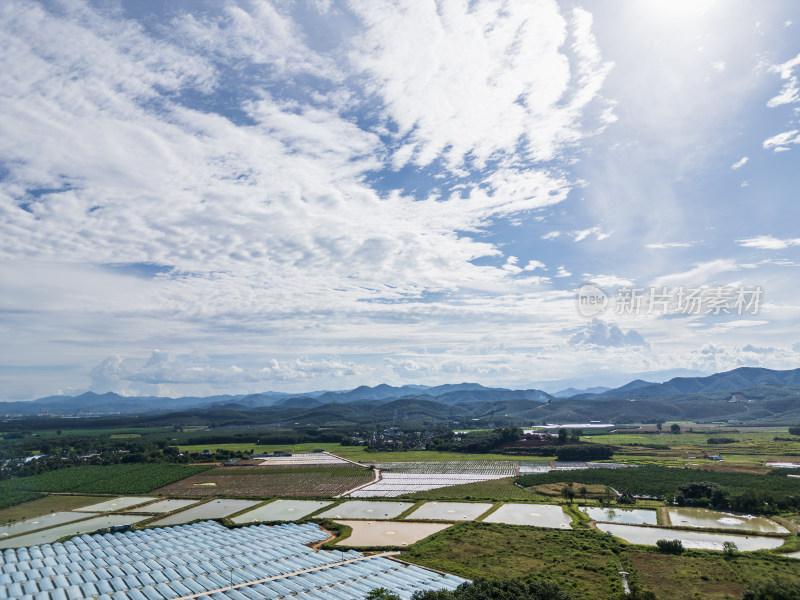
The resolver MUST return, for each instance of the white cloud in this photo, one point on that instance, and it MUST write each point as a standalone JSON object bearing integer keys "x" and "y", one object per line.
{"x": 533, "y": 265}
{"x": 768, "y": 242}
{"x": 466, "y": 84}
{"x": 701, "y": 274}
{"x": 740, "y": 163}
{"x": 579, "y": 235}
{"x": 605, "y": 335}
{"x": 608, "y": 281}
{"x": 668, "y": 245}
{"x": 562, "y": 272}
{"x": 781, "y": 141}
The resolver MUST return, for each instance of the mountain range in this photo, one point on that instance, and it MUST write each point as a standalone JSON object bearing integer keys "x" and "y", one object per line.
{"x": 745, "y": 394}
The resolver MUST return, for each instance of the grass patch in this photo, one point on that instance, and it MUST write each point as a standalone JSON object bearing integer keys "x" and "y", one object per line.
{"x": 45, "y": 506}
{"x": 584, "y": 563}
{"x": 707, "y": 575}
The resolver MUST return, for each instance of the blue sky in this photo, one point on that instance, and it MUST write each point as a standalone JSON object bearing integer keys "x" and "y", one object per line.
{"x": 230, "y": 197}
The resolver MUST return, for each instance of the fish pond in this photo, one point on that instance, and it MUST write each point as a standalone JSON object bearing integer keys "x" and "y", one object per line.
{"x": 648, "y": 536}
{"x": 711, "y": 519}
{"x": 628, "y": 516}
{"x": 538, "y": 515}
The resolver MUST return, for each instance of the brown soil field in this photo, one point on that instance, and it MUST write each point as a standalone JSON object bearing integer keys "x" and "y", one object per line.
{"x": 253, "y": 482}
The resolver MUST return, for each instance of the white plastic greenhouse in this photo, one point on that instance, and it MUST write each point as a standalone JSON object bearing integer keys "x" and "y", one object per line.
{"x": 208, "y": 561}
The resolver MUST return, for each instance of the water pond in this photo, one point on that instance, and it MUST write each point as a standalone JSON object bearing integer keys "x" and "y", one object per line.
{"x": 281, "y": 510}
{"x": 629, "y": 516}
{"x": 115, "y": 504}
{"x": 648, "y": 536}
{"x": 48, "y": 536}
{"x": 388, "y": 533}
{"x": 539, "y": 515}
{"x": 711, "y": 519}
{"x": 449, "y": 511}
{"x": 216, "y": 509}
{"x": 36, "y": 523}
{"x": 366, "y": 509}
{"x": 161, "y": 507}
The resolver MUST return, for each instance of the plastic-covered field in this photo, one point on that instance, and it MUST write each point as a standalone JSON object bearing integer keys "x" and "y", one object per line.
{"x": 216, "y": 509}
{"x": 36, "y": 523}
{"x": 388, "y": 533}
{"x": 711, "y": 519}
{"x": 539, "y": 515}
{"x": 116, "y": 504}
{"x": 364, "y": 509}
{"x": 309, "y": 458}
{"x": 282, "y": 510}
{"x": 398, "y": 484}
{"x": 449, "y": 511}
{"x": 207, "y": 559}
{"x": 690, "y": 539}
{"x": 629, "y": 516}
{"x": 161, "y": 507}
{"x": 48, "y": 536}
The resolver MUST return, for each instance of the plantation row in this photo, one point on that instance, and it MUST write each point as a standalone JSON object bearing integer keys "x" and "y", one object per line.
{"x": 506, "y": 468}
{"x": 759, "y": 493}
{"x": 107, "y": 479}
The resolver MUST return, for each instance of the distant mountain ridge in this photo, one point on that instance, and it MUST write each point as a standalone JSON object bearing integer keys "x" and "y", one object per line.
{"x": 743, "y": 377}
{"x": 113, "y": 403}
{"x": 743, "y": 394}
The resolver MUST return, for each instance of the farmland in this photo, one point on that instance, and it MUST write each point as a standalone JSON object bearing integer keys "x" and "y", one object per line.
{"x": 495, "y": 490}
{"x": 251, "y": 482}
{"x": 110, "y": 479}
{"x": 586, "y": 563}
{"x": 663, "y": 481}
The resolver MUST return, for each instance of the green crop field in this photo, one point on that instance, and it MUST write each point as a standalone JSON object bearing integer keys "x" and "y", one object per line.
{"x": 111, "y": 479}
{"x": 497, "y": 490}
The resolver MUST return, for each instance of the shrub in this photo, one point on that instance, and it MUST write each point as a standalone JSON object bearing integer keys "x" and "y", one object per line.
{"x": 670, "y": 546}
{"x": 776, "y": 589}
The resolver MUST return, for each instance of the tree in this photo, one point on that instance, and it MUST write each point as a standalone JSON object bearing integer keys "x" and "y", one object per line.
{"x": 502, "y": 589}
{"x": 659, "y": 426}
{"x": 674, "y": 428}
{"x": 381, "y": 594}
{"x": 583, "y": 491}
{"x": 562, "y": 436}
{"x": 730, "y": 548}
{"x": 568, "y": 492}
